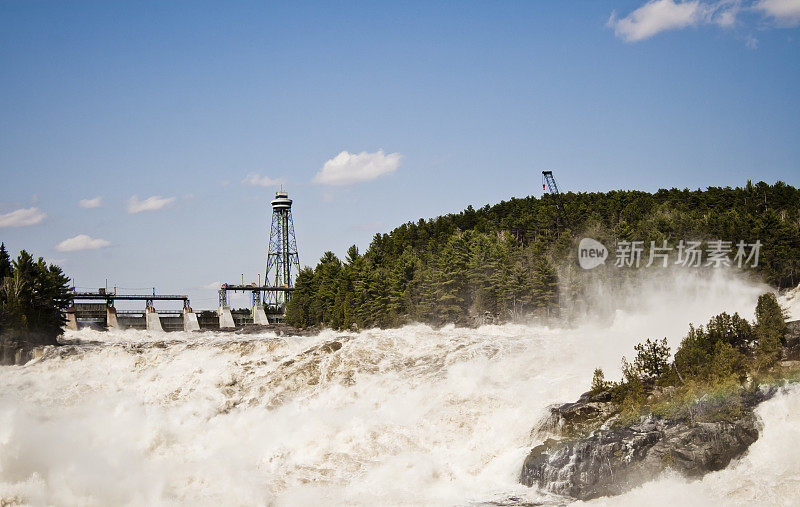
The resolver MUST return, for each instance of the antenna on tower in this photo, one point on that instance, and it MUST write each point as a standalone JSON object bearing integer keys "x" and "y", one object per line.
{"x": 283, "y": 261}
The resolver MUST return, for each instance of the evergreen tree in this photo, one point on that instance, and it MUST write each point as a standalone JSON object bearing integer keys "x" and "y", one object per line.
{"x": 352, "y": 255}
{"x": 652, "y": 359}
{"x": 5, "y": 263}
{"x": 33, "y": 297}
{"x": 400, "y": 285}
{"x": 545, "y": 285}
{"x": 452, "y": 284}
{"x": 770, "y": 320}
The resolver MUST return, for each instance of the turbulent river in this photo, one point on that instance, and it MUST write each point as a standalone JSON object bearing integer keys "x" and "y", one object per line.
{"x": 410, "y": 416}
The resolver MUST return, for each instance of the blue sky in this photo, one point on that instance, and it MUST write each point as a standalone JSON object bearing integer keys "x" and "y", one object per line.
{"x": 189, "y": 108}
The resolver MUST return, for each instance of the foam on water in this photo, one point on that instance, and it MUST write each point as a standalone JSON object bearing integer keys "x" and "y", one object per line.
{"x": 405, "y": 416}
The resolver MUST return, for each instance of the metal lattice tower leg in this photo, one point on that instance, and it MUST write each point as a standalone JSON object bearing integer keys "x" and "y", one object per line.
{"x": 283, "y": 261}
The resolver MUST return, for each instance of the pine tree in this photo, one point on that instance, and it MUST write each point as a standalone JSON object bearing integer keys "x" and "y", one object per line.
{"x": 298, "y": 309}
{"x": 545, "y": 285}
{"x": 327, "y": 273}
{"x": 481, "y": 267}
{"x": 770, "y": 320}
{"x": 5, "y": 263}
{"x": 423, "y": 289}
{"x": 770, "y": 329}
{"x": 352, "y": 255}
{"x": 400, "y": 285}
{"x": 377, "y": 302}
{"x": 452, "y": 286}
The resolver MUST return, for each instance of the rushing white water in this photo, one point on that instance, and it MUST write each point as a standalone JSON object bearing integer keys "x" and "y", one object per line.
{"x": 412, "y": 416}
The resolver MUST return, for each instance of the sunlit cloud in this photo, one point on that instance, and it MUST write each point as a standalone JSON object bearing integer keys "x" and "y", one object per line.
{"x": 153, "y": 203}
{"x": 347, "y": 168}
{"x": 81, "y": 242}
{"x": 22, "y": 217}
{"x": 656, "y": 16}
{"x": 784, "y": 12}
{"x": 91, "y": 203}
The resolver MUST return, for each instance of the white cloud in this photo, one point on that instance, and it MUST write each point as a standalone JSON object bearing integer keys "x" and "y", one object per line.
{"x": 654, "y": 17}
{"x": 785, "y": 12}
{"x": 212, "y": 286}
{"x": 22, "y": 217}
{"x": 91, "y": 203}
{"x": 347, "y": 168}
{"x": 725, "y": 12}
{"x": 81, "y": 242}
{"x": 256, "y": 180}
{"x": 153, "y": 203}
{"x": 661, "y": 15}
{"x": 657, "y": 16}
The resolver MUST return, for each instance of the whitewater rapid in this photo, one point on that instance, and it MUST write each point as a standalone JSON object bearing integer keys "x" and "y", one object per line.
{"x": 410, "y": 416}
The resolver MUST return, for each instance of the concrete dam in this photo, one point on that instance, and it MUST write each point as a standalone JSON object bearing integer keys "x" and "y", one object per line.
{"x": 98, "y": 310}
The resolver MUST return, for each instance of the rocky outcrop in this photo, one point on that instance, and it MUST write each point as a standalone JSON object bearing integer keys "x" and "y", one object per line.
{"x": 791, "y": 350}
{"x": 590, "y": 412}
{"x": 616, "y": 458}
{"x": 18, "y": 348}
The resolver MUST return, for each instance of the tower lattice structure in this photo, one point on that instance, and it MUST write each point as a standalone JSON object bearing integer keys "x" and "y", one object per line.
{"x": 283, "y": 261}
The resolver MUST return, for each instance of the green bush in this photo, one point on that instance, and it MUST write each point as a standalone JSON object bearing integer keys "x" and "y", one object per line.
{"x": 652, "y": 359}
{"x": 599, "y": 382}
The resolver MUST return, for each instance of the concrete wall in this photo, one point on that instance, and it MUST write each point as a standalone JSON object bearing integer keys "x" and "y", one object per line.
{"x": 225, "y": 318}
{"x": 153, "y": 321}
{"x": 190, "y": 322}
{"x": 72, "y": 321}
{"x": 132, "y": 321}
{"x": 259, "y": 316}
{"x": 111, "y": 318}
{"x": 208, "y": 320}
{"x": 171, "y": 322}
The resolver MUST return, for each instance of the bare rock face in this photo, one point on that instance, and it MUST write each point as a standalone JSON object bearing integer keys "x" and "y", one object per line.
{"x": 791, "y": 351}
{"x": 612, "y": 460}
{"x": 586, "y": 414}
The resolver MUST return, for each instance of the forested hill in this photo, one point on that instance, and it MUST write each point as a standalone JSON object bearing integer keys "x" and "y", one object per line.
{"x": 519, "y": 256}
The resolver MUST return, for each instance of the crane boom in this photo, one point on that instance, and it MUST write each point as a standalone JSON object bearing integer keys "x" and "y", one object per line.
{"x": 551, "y": 182}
